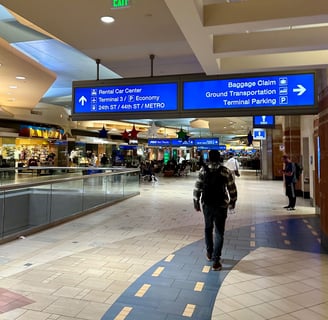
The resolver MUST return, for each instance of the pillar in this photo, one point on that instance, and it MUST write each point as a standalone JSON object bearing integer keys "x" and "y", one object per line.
{"x": 322, "y": 165}
{"x": 292, "y": 143}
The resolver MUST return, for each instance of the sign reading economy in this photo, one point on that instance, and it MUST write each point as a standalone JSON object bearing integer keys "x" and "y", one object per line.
{"x": 250, "y": 92}
{"x": 126, "y": 98}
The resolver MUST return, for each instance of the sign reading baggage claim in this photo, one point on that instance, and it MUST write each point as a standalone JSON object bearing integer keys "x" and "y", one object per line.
{"x": 254, "y": 92}
{"x": 194, "y": 95}
{"x": 126, "y": 98}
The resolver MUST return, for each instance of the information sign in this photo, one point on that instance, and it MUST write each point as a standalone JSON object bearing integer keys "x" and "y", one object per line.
{"x": 126, "y": 98}
{"x": 263, "y": 121}
{"x": 180, "y": 142}
{"x": 159, "y": 142}
{"x": 206, "y": 142}
{"x": 250, "y": 92}
{"x": 221, "y": 147}
{"x": 259, "y": 134}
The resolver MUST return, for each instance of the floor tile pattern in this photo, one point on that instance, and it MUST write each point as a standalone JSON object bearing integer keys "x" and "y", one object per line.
{"x": 11, "y": 300}
{"x": 144, "y": 258}
{"x": 173, "y": 290}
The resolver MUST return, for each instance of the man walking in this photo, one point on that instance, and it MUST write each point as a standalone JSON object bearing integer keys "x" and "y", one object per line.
{"x": 216, "y": 189}
{"x": 290, "y": 182}
{"x": 233, "y": 165}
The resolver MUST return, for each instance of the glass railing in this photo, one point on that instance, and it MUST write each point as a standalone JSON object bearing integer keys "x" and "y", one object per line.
{"x": 29, "y": 205}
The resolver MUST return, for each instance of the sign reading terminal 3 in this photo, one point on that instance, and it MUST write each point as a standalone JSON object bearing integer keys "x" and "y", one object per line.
{"x": 195, "y": 96}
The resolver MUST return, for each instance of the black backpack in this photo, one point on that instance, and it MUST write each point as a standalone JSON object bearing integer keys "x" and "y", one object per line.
{"x": 214, "y": 187}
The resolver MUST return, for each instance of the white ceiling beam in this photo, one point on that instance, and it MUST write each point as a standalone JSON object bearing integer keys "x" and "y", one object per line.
{"x": 273, "y": 62}
{"x": 191, "y": 25}
{"x": 255, "y": 11}
{"x": 28, "y": 92}
{"x": 273, "y": 41}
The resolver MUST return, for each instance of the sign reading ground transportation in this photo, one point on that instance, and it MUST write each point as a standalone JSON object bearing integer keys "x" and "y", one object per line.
{"x": 195, "y": 95}
{"x": 251, "y": 92}
{"x": 126, "y": 98}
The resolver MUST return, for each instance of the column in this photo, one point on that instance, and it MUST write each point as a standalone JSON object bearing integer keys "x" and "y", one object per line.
{"x": 322, "y": 165}
{"x": 292, "y": 143}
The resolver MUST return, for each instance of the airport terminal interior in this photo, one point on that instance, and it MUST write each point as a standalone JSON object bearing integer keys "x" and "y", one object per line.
{"x": 109, "y": 109}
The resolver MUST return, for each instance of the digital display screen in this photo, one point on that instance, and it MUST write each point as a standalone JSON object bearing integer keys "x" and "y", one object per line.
{"x": 263, "y": 121}
{"x": 251, "y": 92}
{"x": 126, "y": 98}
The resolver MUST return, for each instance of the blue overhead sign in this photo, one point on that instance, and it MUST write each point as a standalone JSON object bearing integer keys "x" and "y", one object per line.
{"x": 220, "y": 148}
{"x": 182, "y": 143}
{"x": 259, "y": 134}
{"x": 197, "y": 142}
{"x": 132, "y": 98}
{"x": 159, "y": 142}
{"x": 195, "y": 95}
{"x": 251, "y": 92}
{"x": 206, "y": 142}
{"x": 263, "y": 121}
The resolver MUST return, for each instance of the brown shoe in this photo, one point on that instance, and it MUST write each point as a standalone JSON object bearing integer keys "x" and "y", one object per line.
{"x": 217, "y": 266}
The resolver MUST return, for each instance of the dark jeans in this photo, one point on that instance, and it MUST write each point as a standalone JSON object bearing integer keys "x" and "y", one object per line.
{"x": 290, "y": 193}
{"x": 215, "y": 218}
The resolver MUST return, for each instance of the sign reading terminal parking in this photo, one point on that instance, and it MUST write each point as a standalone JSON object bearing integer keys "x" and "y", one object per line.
{"x": 253, "y": 92}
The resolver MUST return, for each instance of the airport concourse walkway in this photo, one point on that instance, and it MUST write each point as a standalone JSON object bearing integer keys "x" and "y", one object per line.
{"x": 144, "y": 258}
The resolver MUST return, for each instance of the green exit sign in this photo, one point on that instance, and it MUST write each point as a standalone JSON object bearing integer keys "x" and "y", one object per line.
{"x": 116, "y": 4}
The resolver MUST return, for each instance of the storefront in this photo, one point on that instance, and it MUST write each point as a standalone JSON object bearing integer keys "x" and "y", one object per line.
{"x": 33, "y": 145}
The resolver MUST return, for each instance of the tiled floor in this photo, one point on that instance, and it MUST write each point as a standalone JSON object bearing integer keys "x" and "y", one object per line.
{"x": 144, "y": 259}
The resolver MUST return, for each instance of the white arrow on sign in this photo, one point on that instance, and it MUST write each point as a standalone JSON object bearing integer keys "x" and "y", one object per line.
{"x": 300, "y": 89}
{"x": 259, "y": 134}
{"x": 83, "y": 100}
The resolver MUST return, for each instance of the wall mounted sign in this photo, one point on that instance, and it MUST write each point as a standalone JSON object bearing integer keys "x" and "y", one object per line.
{"x": 40, "y": 132}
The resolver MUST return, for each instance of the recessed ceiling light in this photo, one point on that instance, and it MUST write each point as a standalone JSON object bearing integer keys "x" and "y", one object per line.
{"x": 20, "y": 77}
{"x": 13, "y": 87}
{"x": 107, "y": 19}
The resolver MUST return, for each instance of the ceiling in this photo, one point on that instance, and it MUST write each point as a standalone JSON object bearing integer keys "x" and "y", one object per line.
{"x": 58, "y": 42}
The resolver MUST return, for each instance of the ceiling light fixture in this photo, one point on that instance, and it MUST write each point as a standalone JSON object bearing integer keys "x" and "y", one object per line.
{"x": 20, "y": 78}
{"x": 107, "y": 19}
